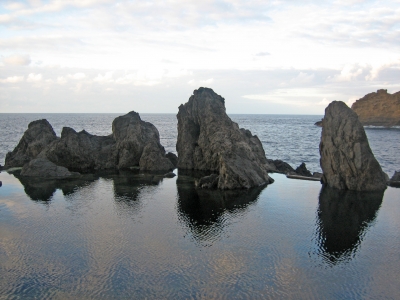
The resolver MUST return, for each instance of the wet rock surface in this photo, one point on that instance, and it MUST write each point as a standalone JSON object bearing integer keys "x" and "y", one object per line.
{"x": 209, "y": 140}
{"x": 43, "y": 168}
{"x": 346, "y": 160}
{"x": 38, "y": 136}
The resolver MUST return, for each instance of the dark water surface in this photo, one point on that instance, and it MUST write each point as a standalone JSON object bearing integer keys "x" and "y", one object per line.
{"x": 128, "y": 236}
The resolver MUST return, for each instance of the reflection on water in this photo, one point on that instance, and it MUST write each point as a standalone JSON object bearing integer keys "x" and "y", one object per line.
{"x": 126, "y": 184}
{"x": 43, "y": 190}
{"x": 343, "y": 219}
{"x": 132, "y": 236}
{"x": 205, "y": 212}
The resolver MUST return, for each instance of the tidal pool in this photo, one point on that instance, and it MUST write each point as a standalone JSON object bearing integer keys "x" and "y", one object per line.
{"x": 136, "y": 236}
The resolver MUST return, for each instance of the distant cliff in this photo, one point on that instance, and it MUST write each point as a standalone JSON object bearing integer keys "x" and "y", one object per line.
{"x": 379, "y": 109}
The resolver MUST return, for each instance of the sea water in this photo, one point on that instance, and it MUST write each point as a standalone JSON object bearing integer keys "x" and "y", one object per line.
{"x": 126, "y": 236}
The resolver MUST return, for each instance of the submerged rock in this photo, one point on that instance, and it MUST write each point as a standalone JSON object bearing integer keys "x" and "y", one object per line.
{"x": 43, "y": 168}
{"x": 38, "y": 136}
{"x": 209, "y": 140}
{"x": 346, "y": 160}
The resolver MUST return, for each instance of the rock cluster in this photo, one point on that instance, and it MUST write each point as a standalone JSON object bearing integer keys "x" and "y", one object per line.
{"x": 133, "y": 143}
{"x": 379, "y": 109}
{"x": 346, "y": 160}
{"x": 209, "y": 140}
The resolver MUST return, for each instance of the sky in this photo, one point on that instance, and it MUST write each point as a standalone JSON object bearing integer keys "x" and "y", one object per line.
{"x": 263, "y": 57}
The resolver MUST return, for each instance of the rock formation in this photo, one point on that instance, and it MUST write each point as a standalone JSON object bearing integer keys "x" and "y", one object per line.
{"x": 133, "y": 143}
{"x": 379, "y": 109}
{"x": 209, "y": 140}
{"x": 280, "y": 166}
{"x": 38, "y": 135}
{"x": 395, "y": 180}
{"x": 346, "y": 160}
{"x": 43, "y": 168}
{"x": 303, "y": 171}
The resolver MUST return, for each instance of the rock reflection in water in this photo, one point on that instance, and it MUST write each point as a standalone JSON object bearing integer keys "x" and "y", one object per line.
{"x": 39, "y": 189}
{"x": 126, "y": 184}
{"x": 343, "y": 219}
{"x": 128, "y": 187}
{"x": 207, "y": 212}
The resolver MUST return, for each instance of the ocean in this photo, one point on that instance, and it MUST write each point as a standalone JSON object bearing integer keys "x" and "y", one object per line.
{"x": 125, "y": 236}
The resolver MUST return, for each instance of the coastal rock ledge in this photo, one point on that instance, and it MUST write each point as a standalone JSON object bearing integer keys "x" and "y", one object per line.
{"x": 347, "y": 161}
{"x": 209, "y": 140}
{"x": 379, "y": 109}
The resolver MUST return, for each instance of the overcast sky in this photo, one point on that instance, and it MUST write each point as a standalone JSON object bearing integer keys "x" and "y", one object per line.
{"x": 268, "y": 57}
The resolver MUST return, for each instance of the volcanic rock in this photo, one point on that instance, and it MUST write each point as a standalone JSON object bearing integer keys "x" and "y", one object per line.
{"x": 395, "y": 180}
{"x": 346, "y": 160}
{"x": 138, "y": 143}
{"x": 302, "y": 170}
{"x": 173, "y": 158}
{"x": 133, "y": 143}
{"x": 82, "y": 151}
{"x": 396, "y": 176}
{"x": 280, "y": 166}
{"x": 38, "y": 135}
{"x": 43, "y": 168}
{"x": 379, "y": 109}
{"x": 209, "y": 140}
{"x": 318, "y": 123}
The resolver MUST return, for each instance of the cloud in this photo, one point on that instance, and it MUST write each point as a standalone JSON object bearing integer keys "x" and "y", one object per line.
{"x": 107, "y": 77}
{"x": 198, "y": 83}
{"x": 77, "y": 76}
{"x": 17, "y": 60}
{"x": 34, "y": 77}
{"x": 302, "y": 78}
{"x": 12, "y": 79}
{"x": 349, "y": 73}
{"x": 263, "y": 54}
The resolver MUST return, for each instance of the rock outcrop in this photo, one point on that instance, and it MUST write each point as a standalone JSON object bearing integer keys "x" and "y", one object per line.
{"x": 280, "y": 166}
{"x": 43, "y": 168}
{"x": 346, "y": 160}
{"x": 209, "y": 140}
{"x": 38, "y": 136}
{"x": 395, "y": 180}
{"x": 379, "y": 109}
{"x": 133, "y": 143}
{"x": 82, "y": 151}
{"x": 303, "y": 171}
